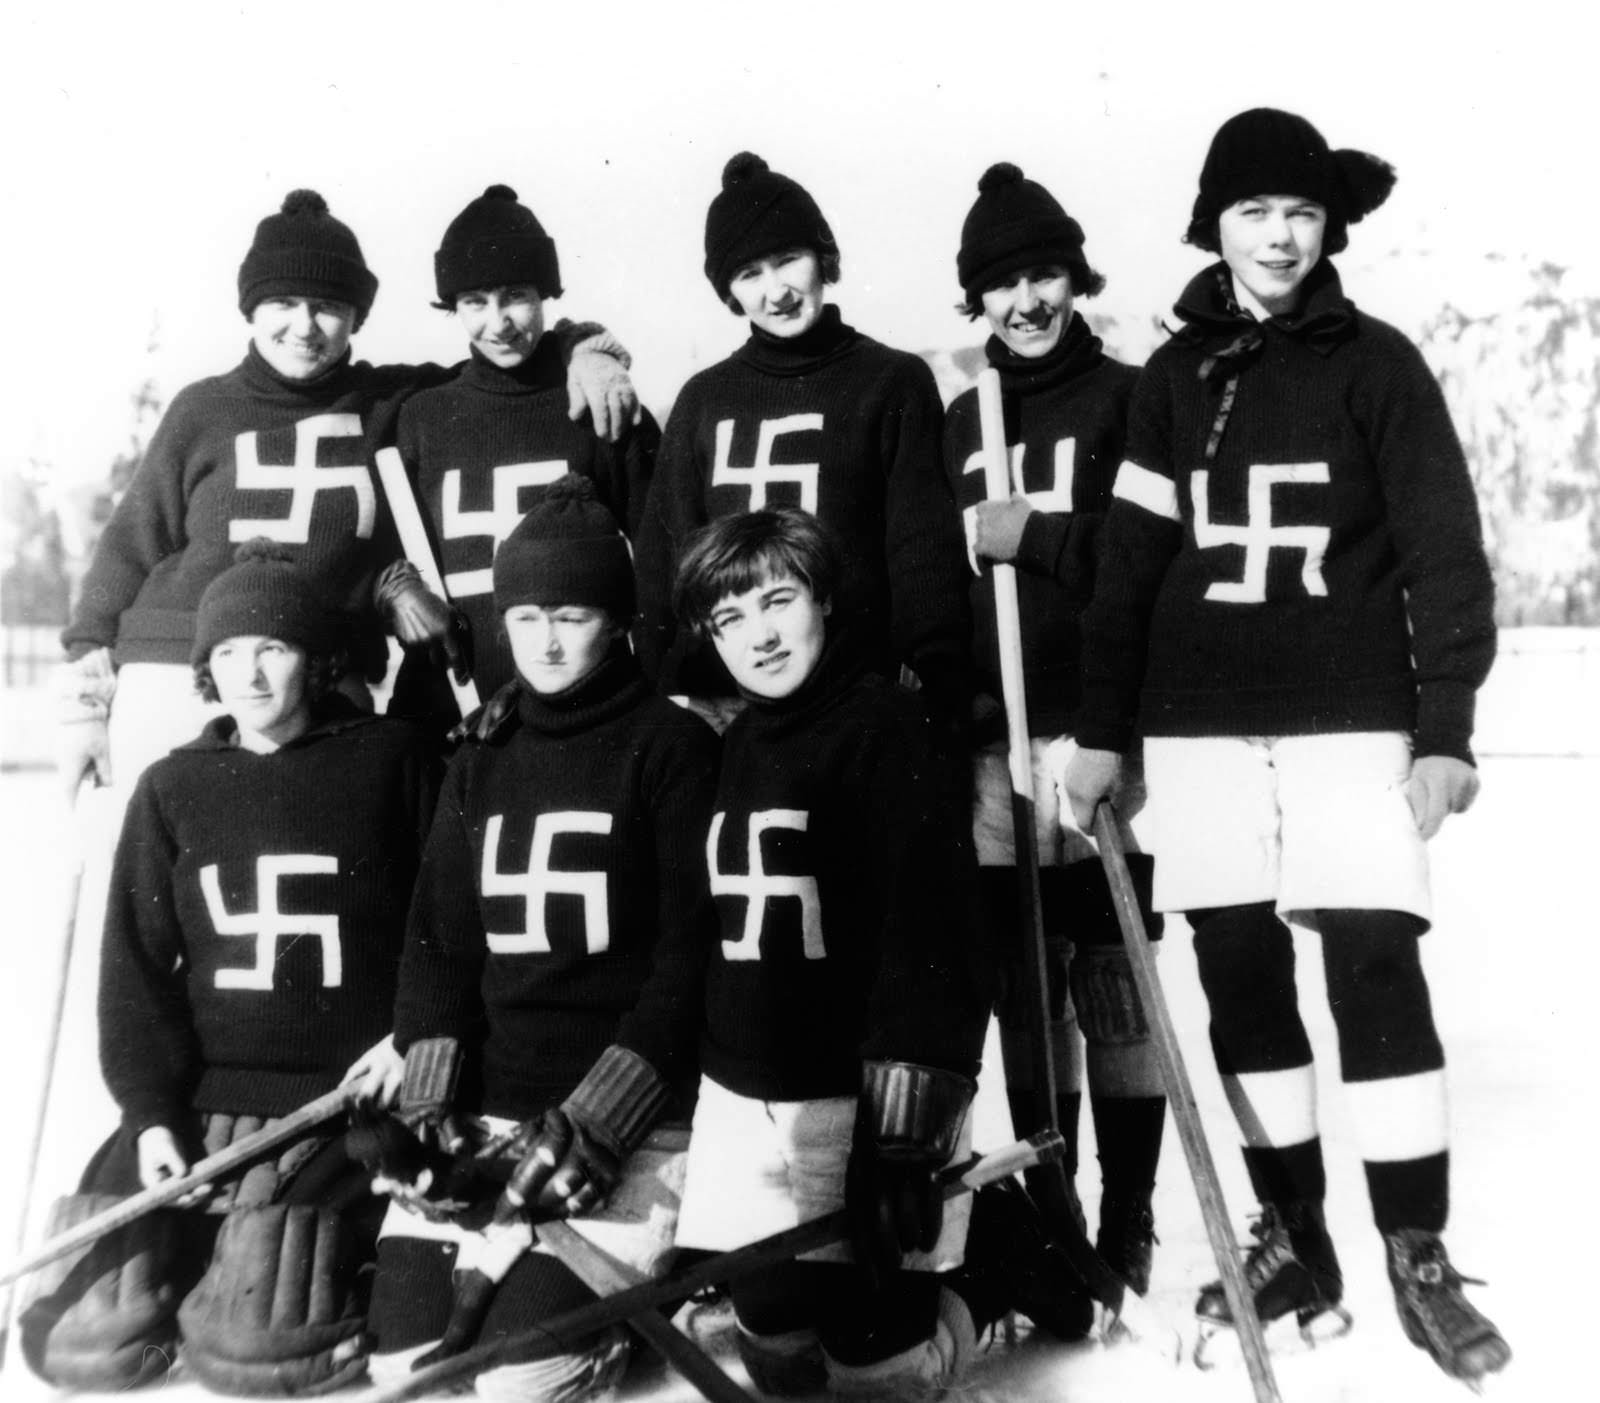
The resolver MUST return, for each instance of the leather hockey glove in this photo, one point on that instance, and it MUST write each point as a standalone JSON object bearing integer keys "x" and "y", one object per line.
{"x": 418, "y": 617}
{"x": 428, "y": 1093}
{"x": 572, "y": 1155}
{"x": 907, "y": 1124}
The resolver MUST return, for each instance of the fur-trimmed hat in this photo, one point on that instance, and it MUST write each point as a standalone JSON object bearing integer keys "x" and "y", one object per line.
{"x": 756, "y": 213}
{"x": 262, "y": 594}
{"x": 567, "y": 549}
{"x": 1269, "y": 152}
{"x": 1014, "y": 223}
{"x": 303, "y": 251}
{"x": 495, "y": 242}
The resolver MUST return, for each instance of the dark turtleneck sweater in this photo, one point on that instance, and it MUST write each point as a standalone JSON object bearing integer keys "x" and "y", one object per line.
{"x": 249, "y": 453}
{"x": 1294, "y": 545}
{"x": 562, "y": 902}
{"x": 848, "y": 429}
{"x": 1066, "y": 415}
{"x": 845, "y": 894}
{"x": 253, "y": 928}
{"x": 480, "y": 449}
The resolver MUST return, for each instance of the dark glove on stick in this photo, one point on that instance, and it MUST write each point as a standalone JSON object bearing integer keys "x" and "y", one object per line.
{"x": 418, "y": 617}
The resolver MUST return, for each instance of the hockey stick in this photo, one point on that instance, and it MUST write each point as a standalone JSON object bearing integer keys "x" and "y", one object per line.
{"x": 1185, "y": 1111}
{"x": 562, "y": 1331}
{"x": 419, "y": 551}
{"x": 1104, "y": 1284}
{"x": 169, "y": 1191}
{"x": 606, "y": 1276}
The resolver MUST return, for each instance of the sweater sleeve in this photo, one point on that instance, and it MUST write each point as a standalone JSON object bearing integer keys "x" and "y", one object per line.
{"x": 442, "y": 963}
{"x": 149, "y": 1055}
{"x": 664, "y": 1025}
{"x": 930, "y": 612}
{"x": 931, "y": 999}
{"x": 145, "y": 528}
{"x": 1141, "y": 534}
{"x": 1433, "y": 522}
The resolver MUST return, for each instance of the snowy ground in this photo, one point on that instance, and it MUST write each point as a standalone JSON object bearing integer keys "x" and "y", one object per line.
{"x": 1512, "y": 975}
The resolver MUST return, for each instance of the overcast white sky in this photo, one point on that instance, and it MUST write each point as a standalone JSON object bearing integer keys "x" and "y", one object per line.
{"x": 143, "y": 141}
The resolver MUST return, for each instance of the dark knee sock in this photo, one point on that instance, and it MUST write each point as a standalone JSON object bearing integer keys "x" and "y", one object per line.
{"x": 1127, "y": 1133}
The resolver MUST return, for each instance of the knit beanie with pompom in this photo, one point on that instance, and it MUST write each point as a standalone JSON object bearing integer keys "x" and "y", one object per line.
{"x": 495, "y": 242}
{"x": 756, "y": 213}
{"x": 303, "y": 251}
{"x": 567, "y": 549}
{"x": 262, "y": 594}
{"x": 1014, "y": 223}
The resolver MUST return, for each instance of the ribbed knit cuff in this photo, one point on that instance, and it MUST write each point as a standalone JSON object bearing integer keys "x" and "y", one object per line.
{"x": 619, "y": 1098}
{"x": 1444, "y": 720}
{"x": 1044, "y": 537}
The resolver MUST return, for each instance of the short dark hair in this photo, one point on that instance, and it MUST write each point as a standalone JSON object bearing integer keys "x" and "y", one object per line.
{"x": 322, "y": 676}
{"x": 827, "y": 262}
{"x": 1081, "y": 278}
{"x": 734, "y": 554}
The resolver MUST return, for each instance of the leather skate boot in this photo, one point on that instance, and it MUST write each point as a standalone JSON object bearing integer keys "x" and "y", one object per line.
{"x": 1434, "y": 1313}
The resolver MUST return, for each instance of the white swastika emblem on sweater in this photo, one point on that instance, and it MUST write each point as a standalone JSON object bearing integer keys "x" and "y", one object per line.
{"x": 1057, "y": 498}
{"x": 541, "y": 881}
{"x": 302, "y": 479}
{"x": 497, "y": 523}
{"x": 759, "y": 885}
{"x": 764, "y": 472}
{"x": 268, "y": 925}
{"x": 1259, "y": 536}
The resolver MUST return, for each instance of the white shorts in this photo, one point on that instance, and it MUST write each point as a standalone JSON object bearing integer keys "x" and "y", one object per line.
{"x": 760, "y": 1167}
{"x": 1061, "y": 841}
{"x": 1306, "y": 822}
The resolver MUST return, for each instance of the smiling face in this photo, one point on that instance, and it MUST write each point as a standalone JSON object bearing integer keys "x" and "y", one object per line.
{"x": 770, "y": 637}
{"x": 263, "y": 683}
{"x": 556, "y": 648}
{"x": 302, "y": 337}
{"x": 1029, "y": 309}
{"x": 781, "y": 293}
{"x": 1270, "y": 243}
{"x": 503, "y": 324}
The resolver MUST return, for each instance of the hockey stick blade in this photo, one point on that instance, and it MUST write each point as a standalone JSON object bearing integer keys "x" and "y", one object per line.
{"x": 1185, "y": 1110}
{"x": 169, "y": 1191}
{"x": 557, "y": 1333}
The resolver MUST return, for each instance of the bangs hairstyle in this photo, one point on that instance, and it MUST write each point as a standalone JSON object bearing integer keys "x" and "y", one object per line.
{"x": 736, "y": 554}
{"x": 828, "y": 264}
{"x": 323, "y": 673}
{"x": 1081, "y": 278}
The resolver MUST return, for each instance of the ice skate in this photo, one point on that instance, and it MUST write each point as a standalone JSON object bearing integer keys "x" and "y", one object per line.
{"x": 1127, "y": 1239}
{"x": 1291, "y": 1271}
{"x": 1434, "y": 1313}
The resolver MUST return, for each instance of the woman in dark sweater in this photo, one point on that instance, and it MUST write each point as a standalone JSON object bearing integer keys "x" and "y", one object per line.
{"x": 1294, "y": 604}
{"x": 553, "y": 961}
{"x": 248, "y": 966}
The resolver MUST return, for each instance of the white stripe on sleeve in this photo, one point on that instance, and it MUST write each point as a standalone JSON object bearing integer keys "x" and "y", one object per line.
{"x": 1146, "y": 489}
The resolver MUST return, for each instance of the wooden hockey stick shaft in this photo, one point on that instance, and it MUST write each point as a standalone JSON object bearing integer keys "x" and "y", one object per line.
{"x": 606, "y": 1276}
{"x": 419, "y": 550}
{"x": 1185, "y": 1110}
{"x": 1106, "y": 1286}
{"x": 561, "y": 1331}
{"x": 169, "y": 1191}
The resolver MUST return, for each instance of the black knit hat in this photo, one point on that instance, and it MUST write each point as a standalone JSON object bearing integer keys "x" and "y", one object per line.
{"x": 567, "y": 549}
{"x": 303, "y": 251}
{"x": 759, "y": 212}
{"x": 264, "y": 593}
{"x": 495, "y": 242}
{"x": 1014, "y": 223}
{"x": 1268, "y": 152}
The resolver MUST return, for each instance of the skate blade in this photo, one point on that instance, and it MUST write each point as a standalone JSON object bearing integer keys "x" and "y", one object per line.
{"x": 1217, "y": 1344}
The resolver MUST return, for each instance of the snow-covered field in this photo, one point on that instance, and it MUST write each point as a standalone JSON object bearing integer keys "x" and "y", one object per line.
{"x": 1513, "y": 977}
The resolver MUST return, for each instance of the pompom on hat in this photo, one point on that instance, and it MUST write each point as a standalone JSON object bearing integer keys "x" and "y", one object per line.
{"x": 262, "y": 594}
{"x": 495, "y": 242}
{"x": 303, "y": 251}
{"x": 567, "y": 549}
{"x": 1269, "y": 152}
{"x": 756, "y": 213}
{"x": 1014, "y": 223}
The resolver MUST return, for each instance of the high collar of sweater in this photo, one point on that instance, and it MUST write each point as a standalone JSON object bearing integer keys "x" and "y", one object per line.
{"x": 1213, "y": 319}
{"x": 799, "y": 355}
{"x": 330, "y": 714}
{"x": 263, "y": 380}
{"x": 542, "y": 370}
{"x": 1077, "y": 351}
{"x": 839, "y": 667}
{"x": 614, "y": 687}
